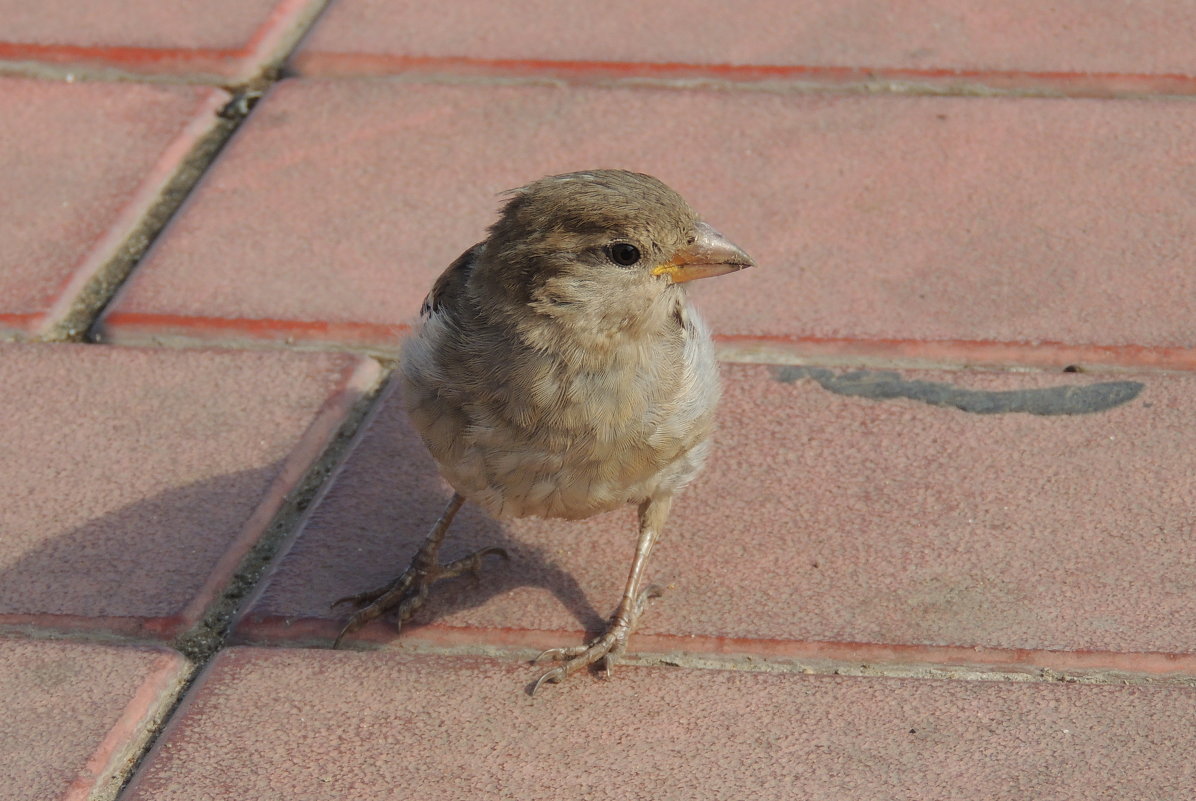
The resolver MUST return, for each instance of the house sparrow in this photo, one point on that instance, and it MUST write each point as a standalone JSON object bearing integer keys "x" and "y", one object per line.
{"x": 560, "y": 371}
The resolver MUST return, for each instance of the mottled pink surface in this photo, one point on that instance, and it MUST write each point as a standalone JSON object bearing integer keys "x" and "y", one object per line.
{"x": 220, "y": 41}
{"x": 75, "y": 714}
{"x": 921, "y": 185}
{"x": 876, "y": 218}
{"x": 133, "y": 23}
{"x": 1022, "y": 35}
{"x": 821, "y": 517}
{"x": 328, "y": 725}
{"x": 79, "y": 165}
{"x": 135, "y": 479}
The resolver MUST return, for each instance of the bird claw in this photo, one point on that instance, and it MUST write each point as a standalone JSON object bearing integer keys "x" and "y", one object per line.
{"x": 553, "y": 676}
{"x": 556, "y": 654}
{"x": 407, "y": 593}
{"x": 605, "y": 649}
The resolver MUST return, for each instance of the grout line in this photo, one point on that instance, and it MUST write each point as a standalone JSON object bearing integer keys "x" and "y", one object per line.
{"x": 112, "y": 257}
{"x": 200, "y": 644}
{"x": 146, "y": 712}
{"x": 941, "y": 671}
{"x": 75, "y": 63}
{"x": 775, "y": 77}
{"x": 266, "y": 333}
{"x": 109, "y": 264}
{"x": 289, "y": 534}
{"x": 255, "y": 64}
{"x": 381, "y": 340}
{"x": 955, "y": 353}
{"x": 88, "y": 302}
{"x": 66, "y": 54}
{"x": 203, "y": 66}
{"x": 305, "y": 469}
{"x": 826, "y": 659}
{"x": 208, "y": 635}
{"x": 278, "y": 37}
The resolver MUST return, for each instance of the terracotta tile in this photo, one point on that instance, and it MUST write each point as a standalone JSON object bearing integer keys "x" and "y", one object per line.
{"x": 965, "y": 222}
{"x": 226, "y": 41}
{"x": 87, "y": 161}
{"x": 76, "y": 715}
{"x": 869, "y": 38}
{"x": 328, "y": 725}
{"x": 138, "y": 479}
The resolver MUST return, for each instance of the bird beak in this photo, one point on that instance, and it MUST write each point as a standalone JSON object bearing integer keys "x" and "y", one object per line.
{"x": 710, "y": 254}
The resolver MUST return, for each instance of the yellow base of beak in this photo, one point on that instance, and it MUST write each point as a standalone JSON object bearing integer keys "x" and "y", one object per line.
{"x": 680, "y": 273}
{"x": 708, "y": 254}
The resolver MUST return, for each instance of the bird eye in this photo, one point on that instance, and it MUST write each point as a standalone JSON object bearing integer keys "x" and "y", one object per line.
{"x": 624, "y": 254}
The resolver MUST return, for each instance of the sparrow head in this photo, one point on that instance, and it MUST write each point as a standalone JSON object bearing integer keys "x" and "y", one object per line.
{"x": 610, "y": 237}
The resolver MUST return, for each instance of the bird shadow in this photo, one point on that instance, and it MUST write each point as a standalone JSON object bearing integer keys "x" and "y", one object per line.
{"x": 138, "y": 568}
{"x": 153, "y": 568}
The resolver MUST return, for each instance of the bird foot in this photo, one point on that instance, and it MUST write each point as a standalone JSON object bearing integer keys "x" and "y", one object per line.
{"x": 407, "y": 593}
{"x": 605, "y": 649}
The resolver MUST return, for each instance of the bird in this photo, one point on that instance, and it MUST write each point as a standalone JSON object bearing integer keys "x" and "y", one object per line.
{"x": 561, "y": 371}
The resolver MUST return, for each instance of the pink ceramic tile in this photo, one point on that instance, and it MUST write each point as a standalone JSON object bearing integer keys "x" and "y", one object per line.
{"x": 136, "y": 480}
{"x": 317, "y": 725}
{"x": 82, "y": 164}
{"x": 76, "y": 716}
{"x": 227, "y": 41}
{"x": 1068, "y": 41}
{"x": 966, "y": 221}
{"x": 895, "y": 528}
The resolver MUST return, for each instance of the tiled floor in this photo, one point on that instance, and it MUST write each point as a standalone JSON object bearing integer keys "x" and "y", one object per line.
{"x": 926, "y": 561}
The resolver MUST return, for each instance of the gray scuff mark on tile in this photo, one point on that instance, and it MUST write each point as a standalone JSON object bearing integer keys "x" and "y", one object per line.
{"x": 884, "y": 385}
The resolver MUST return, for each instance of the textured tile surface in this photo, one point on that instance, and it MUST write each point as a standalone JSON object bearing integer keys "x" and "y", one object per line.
{"x": 224, "y": 39}
{"x": 327, "y": 725}
{"x": 73, "y": 714}
{"x": 133, "y": 23}
{"x": 878, "y": 218}
{"x": 823, "y": 517}
{"x": 942, "y": 34}
{"x": 137, "y": 479}
{"x": 928, "y": 524}
{"x": 79, "y": 164}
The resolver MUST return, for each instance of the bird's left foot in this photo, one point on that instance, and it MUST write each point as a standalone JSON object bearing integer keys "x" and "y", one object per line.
{"x": 407, "y": 593}
{"x": 605, "y": 649}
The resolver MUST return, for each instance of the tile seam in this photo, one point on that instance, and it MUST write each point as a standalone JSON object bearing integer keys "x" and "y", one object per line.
{"x": 314, "y": 458}
{"x": 116, "y": 252}
{"x": 290, "y": 536}
{"x": 201, "y": 65}
{"x": 964, "y": 81}
{"x": 275, "y": 40}
{"x": 254, "y": 63}
{"x": 744, "y": 654}
{"x": 143, "y": 328}
{"x": 207, "y": 638}
{"x": 144, "y": 714}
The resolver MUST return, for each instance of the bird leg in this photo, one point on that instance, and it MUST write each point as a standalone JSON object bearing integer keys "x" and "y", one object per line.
{"x": 607, "y": 647}
{"x": 408, "y": 592}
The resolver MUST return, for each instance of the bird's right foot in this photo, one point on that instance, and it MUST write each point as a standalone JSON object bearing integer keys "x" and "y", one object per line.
{"x": 603, "y": 651}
